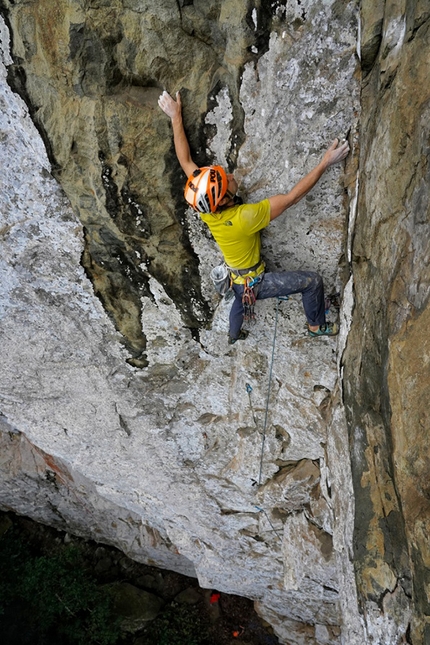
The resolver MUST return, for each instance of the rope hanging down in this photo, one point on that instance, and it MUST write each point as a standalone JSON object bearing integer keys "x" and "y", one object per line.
{"x": 249, "y": 390}
{"x": 269, "y": 386}
{"x": 268, "y": 519}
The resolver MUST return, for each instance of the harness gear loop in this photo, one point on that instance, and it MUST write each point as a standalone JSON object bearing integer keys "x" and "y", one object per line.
{"x": 239, "y": 275}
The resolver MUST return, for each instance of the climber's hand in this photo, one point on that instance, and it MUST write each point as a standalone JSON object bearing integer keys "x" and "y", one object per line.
{"x": 336, "y": 153}
{"x": 171, "y": 107}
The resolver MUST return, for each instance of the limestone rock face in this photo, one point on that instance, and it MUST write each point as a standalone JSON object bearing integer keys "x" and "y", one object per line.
{"x": 124, "y": 414}
{"x": 180, "y": 455}
{"x": 386, "y": 363}
{"x": 92, "y": 73}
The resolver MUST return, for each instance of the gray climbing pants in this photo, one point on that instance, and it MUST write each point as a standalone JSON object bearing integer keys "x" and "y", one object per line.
{"x": 308, "y": 283}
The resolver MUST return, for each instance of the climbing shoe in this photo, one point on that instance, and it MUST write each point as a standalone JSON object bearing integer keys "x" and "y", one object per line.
{"x": 242, "y": 335}
{"x": 328, "y": 329}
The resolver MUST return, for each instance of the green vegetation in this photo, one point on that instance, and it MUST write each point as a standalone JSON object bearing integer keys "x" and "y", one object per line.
{"x": 58, "y": 600}
{"x": 64, "y": 602}
{"x": 178, "y": 624}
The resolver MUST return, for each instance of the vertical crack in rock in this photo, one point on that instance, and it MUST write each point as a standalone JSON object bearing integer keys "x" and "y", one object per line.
{"x": 107, "y": 94}
{"x": 16, "y": 79}
{"x": 384, "y": 368}
{"x": 172, "y": 450}
{"x": 93, "y": 94}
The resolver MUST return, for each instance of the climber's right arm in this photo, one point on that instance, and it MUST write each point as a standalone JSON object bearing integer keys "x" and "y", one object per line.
{"x": 173, "y": 109}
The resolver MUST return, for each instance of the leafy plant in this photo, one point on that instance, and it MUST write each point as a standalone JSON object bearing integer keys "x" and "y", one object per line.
{"x": 64, "y": 599}
{"x": 178, "y": 624}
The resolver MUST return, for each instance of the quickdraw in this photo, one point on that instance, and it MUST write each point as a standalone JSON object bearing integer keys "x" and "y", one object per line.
{"x": 333, "y": 300}
{"x": 249, "y": 298}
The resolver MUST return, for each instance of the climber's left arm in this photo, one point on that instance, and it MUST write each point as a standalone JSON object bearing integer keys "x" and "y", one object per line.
{"x": 334, "y": 154}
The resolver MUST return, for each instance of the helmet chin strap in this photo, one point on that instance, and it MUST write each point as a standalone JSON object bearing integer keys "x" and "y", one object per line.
{"x": 232, "y": 198}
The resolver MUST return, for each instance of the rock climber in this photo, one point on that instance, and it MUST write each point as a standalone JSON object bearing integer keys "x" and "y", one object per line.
{"x": 236, "y": 227}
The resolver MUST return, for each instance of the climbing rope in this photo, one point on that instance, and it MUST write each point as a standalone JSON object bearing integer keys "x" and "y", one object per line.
{"x": 249, "y": 391}
{"x": 269, "y": 386}
{"x": 268, "y": 519}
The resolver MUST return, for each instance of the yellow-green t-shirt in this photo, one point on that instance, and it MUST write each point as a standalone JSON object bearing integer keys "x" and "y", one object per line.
{"x": 237, "y": 232}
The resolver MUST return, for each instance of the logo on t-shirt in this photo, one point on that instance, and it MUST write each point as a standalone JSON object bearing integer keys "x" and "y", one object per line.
{"x": 228, "y": 223}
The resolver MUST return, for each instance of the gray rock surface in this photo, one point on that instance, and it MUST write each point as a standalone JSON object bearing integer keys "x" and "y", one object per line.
{"x": 163, "y": 462}
{"x": 386, "y": 362}
{"x": 125, "y": 416}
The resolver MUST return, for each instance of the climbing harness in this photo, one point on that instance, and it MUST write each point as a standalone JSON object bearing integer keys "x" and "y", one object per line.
{"x": 239, "y": 276}
{"x": 250, "y": 279}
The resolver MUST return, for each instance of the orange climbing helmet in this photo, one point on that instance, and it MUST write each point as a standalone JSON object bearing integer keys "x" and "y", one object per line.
{"x": 205, "y": 188}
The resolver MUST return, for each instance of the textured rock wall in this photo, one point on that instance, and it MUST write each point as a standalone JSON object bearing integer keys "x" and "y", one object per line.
{"x": 386, "y": 362}
{"x": 163, "y": 461}
{"x": 92, "y": 72}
